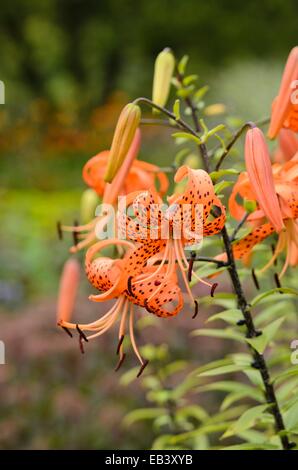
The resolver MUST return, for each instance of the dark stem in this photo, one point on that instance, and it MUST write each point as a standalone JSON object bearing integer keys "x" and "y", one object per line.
{"x": 243, "y": 304}
{"x": 236, "y": 136}
{"x": 206, "y": 259}
{"x": 202, "y": 147}
{"x": 241, "y": 223}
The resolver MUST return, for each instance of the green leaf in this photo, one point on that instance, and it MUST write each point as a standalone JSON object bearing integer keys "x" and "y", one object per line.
{"x": 214, "y": 333}
{"x": 287, "y": 389}
{"x": 142, "y": 414}
{"x": 291, "y": 416}
{"x": 206, "y": 270}
{"x": 292, "y": 371}
{"x": 255, "y": 377}
{"x": 222, "y": 370}
{"x": 182, "y": 64}
{"x": 186, "y": 136}
{"x": 203, "y": 430}
{"x": 229, "y": 414}
{"x": 215, "y": 129}
{"x": 173, "y": 368}
{"x": 129, "y": 376}
{"x": 252, "y": 436}
{"x": 231, "y": 398}
{"x": 223, "y": 299}
{"x": 176, "y": 109}
{"x": 189, "y": 79}
{"x": 246, "y": 421}
{"x": 218, "y": 187}
{"x": 212, "y": 365}
{"x": 261, "y": 342}
{"x": 185, "y": 92}
{"x": 251, "y": 446}
{"x": 192, "y": 411}
{"x": 201, "y": 92}
{"x": 260, "y": 297}
{"x": 232, "y": 316}
{"x": 215, "y": 175}
{"x": 267, "y": 314}
{"x": 224, "y": 386}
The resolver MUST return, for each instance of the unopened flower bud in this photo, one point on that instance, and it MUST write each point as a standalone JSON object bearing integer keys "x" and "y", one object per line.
{"x": 163, "y": 72}
{"x": 89, "y": 202}
{"x": 259, "y": 170}
{"x": 126, "y": 127}
{"x": 69, "y": 283}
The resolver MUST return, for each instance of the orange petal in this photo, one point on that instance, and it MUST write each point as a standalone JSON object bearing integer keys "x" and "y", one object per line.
{"x": 288, "y": 145}
{"x": 283, "y": 105}
{"x": 216, "y": 225}
{"x": 93, "y": 171}
{"x": 136, "y": 259}
{"x": 69, "y": 283}
{"x": 168, "y": 300}
{"x": 199, "y": 190}
{"x": 259, "y": 171}
{"x": 243, "y": 188}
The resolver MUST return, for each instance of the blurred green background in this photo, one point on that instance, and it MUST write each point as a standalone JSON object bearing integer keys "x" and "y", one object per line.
{"x": 68, "y": 67}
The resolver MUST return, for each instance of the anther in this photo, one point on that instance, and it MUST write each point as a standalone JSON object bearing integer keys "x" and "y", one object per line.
{"x": 196, "y": 309}
{"x": 82, "y": 335}
{"x": 241, "y": 322}
{"x": 120, "y": 344}
{"x": 59, "y": 230}
{"x": 258, "y": 333}
{"x": 81, "y": 345}
{"x": 121, "y": 360}
{"x": 67, "y": 331}
{"x": 277, "y": 281}
{"x": 145, "y": 363}
{"x": 214, "y": 286}
{"x": 146, "y": 306}
{"x": 74, "y": 233}
{"x": 273, "y": 252}
{"x": 255, "y": 279}
{"x": 190, "y": 265}
{"x": 129, "y": 286}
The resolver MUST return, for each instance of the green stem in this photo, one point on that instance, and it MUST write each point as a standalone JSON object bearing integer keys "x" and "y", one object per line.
{"x": 236, "y": 136}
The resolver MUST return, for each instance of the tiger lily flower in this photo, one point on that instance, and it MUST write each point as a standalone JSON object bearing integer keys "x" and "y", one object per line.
{"x": 133, "y": 175}
{"x": 147, "y": 274}
{"x": 114, "y": 279}
{"x": 150, "y": 218}
{"x": 286, "y": 185}
{"x": 285, "y": 106}
{"x": 258, "y": 165}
